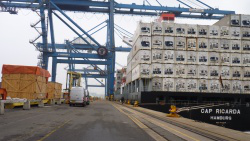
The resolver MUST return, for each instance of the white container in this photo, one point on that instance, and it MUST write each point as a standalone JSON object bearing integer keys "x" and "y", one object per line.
{"x": 225, "y": 32}
{"x": 142, "y": 57}
{"x": 214, "y": 72}
{"x": 225, "y": 72}
{"x": 235, "y": 20}
{"x": 192, "y": 30}
{"x": 235, "y": 46}
{"x": 141, "y": 71}
{"x": 168, "y": 84}
{"x": 226, "y": 88}
{"x": 214, "y": 58}
{"x": 236, "y": 73}
{"x": 191, "y": 57}
{"x": 157, "y": 56}
{"x": 203, "y": 85}
{"x": 180, "y": 43}
{"x": 142, "y": 43}
{"x": 157, "y": 28}
{"x": 142, "y": 29}
{"x": 235, "y": 33}
{"x": 191, "y": 71}
{"x": 203, "y": 30}
{"x": 192, "y": 85}
{"x": 236, "y": 86}
{"x": 157, "y": 70}
{"x": 180, "y": 71}
{"x": 214, "y": 31}
{"x": 169, "y": 56}
{"x": 180, "y": 85}
{"x": 134, "y": 62}
{"x": 245, "y": 33}
{"x": 157, "y": 84}
{"x": 214, "y": 86}
{"x": 203, "y": 58}
{"x": 245, "y": 46}
{"x": 129, "y": 67}
{"x": 225, "y": 59}
{"x": 246, "y": 86}
{"x": 169, "y": 70}
{"x": 180, "y": 30}
{"x": 168, "y": 29}
{"x": 203, "y": 71}
{"x": 214, "y": 44}
{"x": 203, "y": 44}
{"x": 169, "y": 43}
{"x": 130, "y": 56}
{"x": 229, "y": 20}
{"x": 225, "y": 45}
{"x": 245, "y": 20}
{"x": 245, "y": 59}
{"x": 236, "y": 59}
{"x": 129, "y": 77}
{"x": 191, "y": 44}
{"x": 246, "y": 73}
{"x": 157, "y": 42}
{"x": 180, "y": 57}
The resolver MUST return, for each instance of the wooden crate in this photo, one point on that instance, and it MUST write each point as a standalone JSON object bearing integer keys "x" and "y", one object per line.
{"x": 54, "y": 90}
{"x": 29, "y": 86}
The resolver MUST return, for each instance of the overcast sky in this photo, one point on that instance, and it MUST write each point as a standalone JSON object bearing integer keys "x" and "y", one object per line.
{"x": 15, "y": 32}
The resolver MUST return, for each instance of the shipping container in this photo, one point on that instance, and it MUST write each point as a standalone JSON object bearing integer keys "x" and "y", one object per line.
{"x": 180, "y": 85}
{"x": 235, "y": 46}
{"x": 214, "y": 72}
{"x": 202, "y": 44}
{"x": 214, "y": 86}
{"x": 203, "y": 71}
{"x": 191, "y": 44}
{"x": 168, "y": 29}
{"x": 225, "y": 59}
{"x": 226, "y": 86}
{"x": 192, "y": 85}
{"x": 169, "y": 56}
{"x": 214, "y": 58}
{"x": 225, "y": 72}
{"x": 236, "y": 59}
{"x": 191, "y": 30}
{"x": 203, "y": 30}
{"x": 245, "y": 59}
{"x": 245, "y": 46}
{"x": 143, "y": 29}
{"x": 142, "y": 43}
{"x": 236, "y": 86}
{"x": 181, "y": 30}
{"x": 245, "y": 20}
{"x": 191, "y": 57}
{"x": 192, "y": 71}
{"x": 180, "y": 43}
{"x": 246, "y": 86}
{"x": 246, "y": 73}
{"x": 229, "y": 20}
{"x": 180, "y": 71}
{"x": 157, "y": 28}
{"x": 157, "y": 56}
{"x": 180, "y": 57}
{"x": 129, "y": 67}
{"x": 168, "y": 84}
{"x": 203, "y": 85}
{"x": 141, "y": 71}
{"x": 169, "y": 43}
{"x": 225, "y": 45}
{"x": 203, "y": 58}
{"x": 169, "y": 70}
{"x": 157, "y": 84}
{"x": 142, "y": 56}
{"x": 225, "y": 32}
{"x": 214, "y": 31}
{"x": 157, "y": 70}
{"x": 214, "y": 44}
{"x": 134, "y": 62}
{"x": 157, "y": 42}
{"x": 130, "y": 56}
{"x": 236, "y": 73}
{"x": 235, "y": 33}
{"x": 245, "y": 33}
{"x": 129, "y": 77}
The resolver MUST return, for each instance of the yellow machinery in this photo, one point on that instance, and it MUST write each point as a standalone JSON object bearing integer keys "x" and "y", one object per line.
{"x": 128, "y": 102}
{"x": 73, "y": 79}
{"x": 173, "y": 112}
{"x": 136, "y": 104}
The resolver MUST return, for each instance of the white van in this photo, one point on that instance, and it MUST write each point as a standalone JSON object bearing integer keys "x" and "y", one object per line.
{"x": 77, "y": 96}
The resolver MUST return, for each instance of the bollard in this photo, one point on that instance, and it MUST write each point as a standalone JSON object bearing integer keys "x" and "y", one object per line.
{"x": 52, "y": 102}
{"x": 26, "y": 105}
{"x": 41, "y": 104}
{"x": 1, "y": 107}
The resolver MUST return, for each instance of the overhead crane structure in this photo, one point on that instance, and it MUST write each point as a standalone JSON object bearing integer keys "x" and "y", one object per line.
{"x": 99, "y": 54}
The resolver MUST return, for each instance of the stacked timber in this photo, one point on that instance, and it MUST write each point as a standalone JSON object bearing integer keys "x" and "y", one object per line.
{"x": 27, "y": 82}
{"x": 54, "y": 90}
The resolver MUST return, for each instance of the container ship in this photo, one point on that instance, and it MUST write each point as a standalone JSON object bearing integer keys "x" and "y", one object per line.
{"x": 204, "y": 70}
